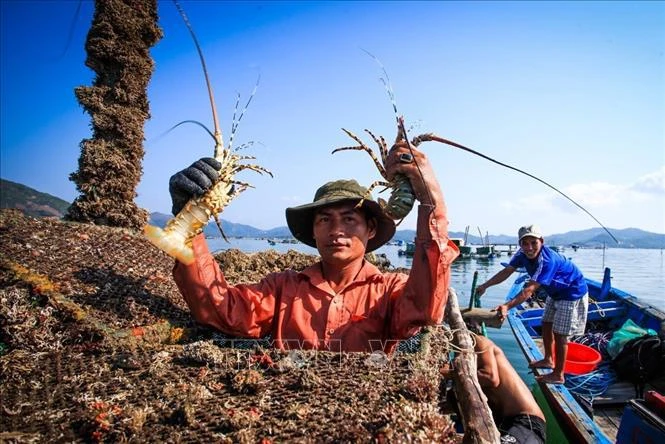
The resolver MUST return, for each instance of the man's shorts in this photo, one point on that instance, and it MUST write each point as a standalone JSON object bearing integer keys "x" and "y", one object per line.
{"x": 568, "y": 317}
{"x": 523, "y": 429}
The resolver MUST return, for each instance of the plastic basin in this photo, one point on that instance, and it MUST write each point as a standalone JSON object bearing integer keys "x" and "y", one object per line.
{"x": 581, "y": 359}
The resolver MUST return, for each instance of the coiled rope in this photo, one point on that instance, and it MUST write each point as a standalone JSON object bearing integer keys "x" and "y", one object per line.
{"x": 595, "y": 383}
{"x": 591, "y": 385}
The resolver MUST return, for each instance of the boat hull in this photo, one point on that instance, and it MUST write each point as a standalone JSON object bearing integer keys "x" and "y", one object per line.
{"x": 580, "y": 420}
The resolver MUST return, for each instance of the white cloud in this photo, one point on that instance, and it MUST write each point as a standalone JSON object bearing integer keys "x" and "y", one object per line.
{"x": 596, "y": 195}
{"x": 292, "y": 199}
{"x": 652, "y": 183}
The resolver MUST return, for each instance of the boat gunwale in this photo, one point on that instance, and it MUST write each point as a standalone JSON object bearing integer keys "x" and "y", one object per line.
{"x": 567, "y": 409}
{"x": 559, "y": 397}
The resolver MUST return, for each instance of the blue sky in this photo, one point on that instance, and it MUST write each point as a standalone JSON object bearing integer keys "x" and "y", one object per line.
{"x": 572, "y": 92}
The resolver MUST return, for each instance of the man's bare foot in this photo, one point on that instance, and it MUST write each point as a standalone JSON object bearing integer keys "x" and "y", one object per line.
{"x": 543, "y": 363}
{"x": 551, "y": 378}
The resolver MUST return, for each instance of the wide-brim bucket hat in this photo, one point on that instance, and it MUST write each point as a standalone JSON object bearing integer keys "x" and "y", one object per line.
{"x": 301, "y": 219}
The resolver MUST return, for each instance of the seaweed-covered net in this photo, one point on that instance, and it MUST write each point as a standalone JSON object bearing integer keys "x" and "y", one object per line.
{"x": 96, "y": 344}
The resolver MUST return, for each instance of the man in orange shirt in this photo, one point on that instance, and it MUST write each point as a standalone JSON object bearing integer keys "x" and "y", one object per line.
{"x": 343, "y": 302}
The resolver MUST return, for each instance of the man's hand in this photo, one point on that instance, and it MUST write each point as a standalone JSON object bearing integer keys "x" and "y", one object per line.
{"x": 192, "y": 182}
{"x": 502, "y": 311}
{"x": 414, "y": 164}
{"x": 480, "y": 290}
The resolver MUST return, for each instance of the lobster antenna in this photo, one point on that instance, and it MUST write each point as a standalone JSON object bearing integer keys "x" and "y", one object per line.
{"x": 196, "y": 122}
{"x": 219, "y": 142}
{"x": 234, "y": 125}
{"x": 400, "y": 121}
{"x": 386, "y": 83}
{"x": 72, "y": 27}
{"x": 462, "y": 147}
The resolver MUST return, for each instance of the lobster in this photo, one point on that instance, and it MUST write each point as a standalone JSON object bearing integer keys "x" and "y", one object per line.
{"x": 402, "y": 196}
{"x": 176, "y": 237}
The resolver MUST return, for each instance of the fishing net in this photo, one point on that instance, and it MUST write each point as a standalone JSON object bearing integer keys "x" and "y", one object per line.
{"x": 96, "y": 344}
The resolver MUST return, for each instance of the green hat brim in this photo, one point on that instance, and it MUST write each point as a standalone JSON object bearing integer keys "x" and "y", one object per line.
{"x": 301, "y": 221}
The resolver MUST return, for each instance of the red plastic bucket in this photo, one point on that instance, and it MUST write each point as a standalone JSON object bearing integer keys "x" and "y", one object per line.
{"x": 581, "y": 359}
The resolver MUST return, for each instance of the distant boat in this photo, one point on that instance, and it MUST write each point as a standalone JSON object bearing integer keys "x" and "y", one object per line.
{"x": 271, "y": 242}
{"x": 409, "y": 251}
{"x": 484, "y": 252}
{"x": 596, "y": 406}
{"x": 465, "y": 251}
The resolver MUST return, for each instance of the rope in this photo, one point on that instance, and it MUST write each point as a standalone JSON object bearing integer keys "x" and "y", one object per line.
{"x": 595, "y": 383}
{"x": 596, "y": 341}
{"x": 449, "y": 335}
{"x": 591, "y": 384}
{"x": 413, "y": 343}
{"x": 601, "y": 311}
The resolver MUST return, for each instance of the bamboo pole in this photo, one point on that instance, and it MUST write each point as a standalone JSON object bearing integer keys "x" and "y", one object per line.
{"x": 473, "y": 299}
{"x": 479, "y": 426}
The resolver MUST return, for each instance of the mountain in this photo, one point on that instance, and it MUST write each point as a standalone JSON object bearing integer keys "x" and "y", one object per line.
{"x": 230, "y": 229}
{"x": 29, "y": 201}
{"x": 38, "y": 204}
{"x": 597, "y": 237}
{"x": 591, "y": 238}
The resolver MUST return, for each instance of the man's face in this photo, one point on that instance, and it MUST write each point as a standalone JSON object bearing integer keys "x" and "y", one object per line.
{"x": 341, "y": 232}
{"x": 531, "y": 246}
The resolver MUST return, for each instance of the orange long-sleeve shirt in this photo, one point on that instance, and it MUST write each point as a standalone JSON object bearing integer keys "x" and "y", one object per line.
{"x": 301, "y": 311}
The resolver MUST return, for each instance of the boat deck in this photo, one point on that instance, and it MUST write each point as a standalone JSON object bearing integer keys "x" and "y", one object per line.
{"x": 619, "y": 412}
{"x": 606, "y": 410}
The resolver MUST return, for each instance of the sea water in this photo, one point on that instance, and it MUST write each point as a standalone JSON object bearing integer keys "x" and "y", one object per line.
{"x": 640, "y": 272}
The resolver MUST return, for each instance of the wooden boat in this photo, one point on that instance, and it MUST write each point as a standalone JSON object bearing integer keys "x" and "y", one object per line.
{"x": 409, "y": 250}
{"x": 457, "y": 241}
{"x": 484, "y": 252}
{"x": 617, "y": 414}
{"x": 465, "y": 251}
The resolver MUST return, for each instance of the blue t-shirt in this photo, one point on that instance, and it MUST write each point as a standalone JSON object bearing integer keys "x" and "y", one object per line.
{"x": 557, "y": 274}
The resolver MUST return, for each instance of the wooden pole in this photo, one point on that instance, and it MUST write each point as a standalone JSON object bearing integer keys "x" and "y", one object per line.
{"x": 479, "y": 426}
{"x": 473, "y": 299}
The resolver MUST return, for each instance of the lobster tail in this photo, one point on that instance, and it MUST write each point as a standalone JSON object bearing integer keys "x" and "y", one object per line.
{"x": 170, "y": 242}
{"x": 401, "y": 200}
{"x": 176, "y": 238}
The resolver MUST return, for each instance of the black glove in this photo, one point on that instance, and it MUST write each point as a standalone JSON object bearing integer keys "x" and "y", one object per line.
{"x": 192, "y": 182}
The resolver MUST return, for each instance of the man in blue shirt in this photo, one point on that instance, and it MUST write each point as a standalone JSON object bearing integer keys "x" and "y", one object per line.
{"x": 567, "y": 301}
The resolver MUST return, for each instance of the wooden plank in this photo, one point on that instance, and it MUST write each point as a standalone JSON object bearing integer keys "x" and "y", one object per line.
{"x": 608, "y": 419}
{"x": 479, "y": 426}
{"x": 480, "y": 315}
{"x": 619, "y": 392}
